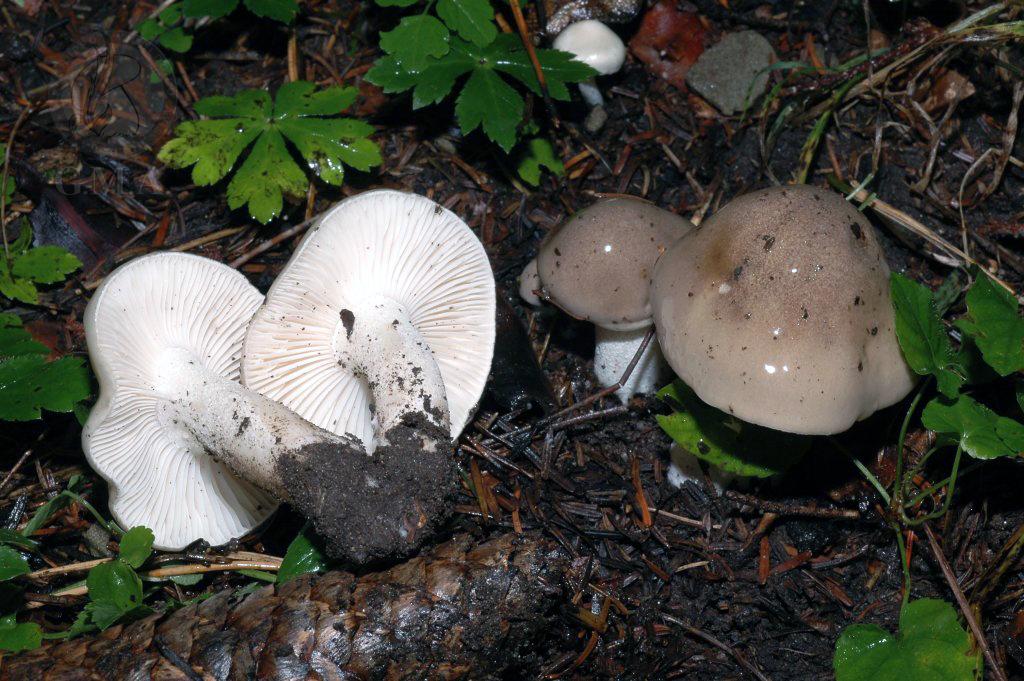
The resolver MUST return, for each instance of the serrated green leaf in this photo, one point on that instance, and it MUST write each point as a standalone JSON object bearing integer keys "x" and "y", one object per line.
{"x": 490, "y": 103}
{"x": 267, "y": 174}
{"x": 12, "y": 564}
{"x": 510, "y": 56}
{"x": 211, "y": 147}
{"x": 980, "y": 431}
{"x": 396, "y": 3}
{"x": 215, "y": 9}
{"x": 922, "y": 337}
{"x": 176, "y": 40}
{"x": 995, "y": 325}
{"x": 539, "y": 153}
{"x": 725, "y": 441}
{"x": 246, "y": 104}
{"x": 415, "y": 40}
{"x": 327, "y": 144}
{"x": 45, "y": 264}
{"x": 22, "y": 290}
{"x": 471, "y": 19}
{"x": 28, "y": 383}
{"x": 389, "y": 75}
{"x": 301, "y": 98}
{"x": 931, "y": 646}
{"x": 15, "y": 637}
{"x": 15, "y": 340}
{"x": 279, "y": 10}
{"x": 136, "y": 546}
{"x": 436, "y": 81}
{"x": 303, "y": 556}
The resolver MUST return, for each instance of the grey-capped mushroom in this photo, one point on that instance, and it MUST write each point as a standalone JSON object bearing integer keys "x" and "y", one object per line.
{"x": 777, "y": 310}
{"x": 597, "y": 46}
{"x": 597, "y": 266}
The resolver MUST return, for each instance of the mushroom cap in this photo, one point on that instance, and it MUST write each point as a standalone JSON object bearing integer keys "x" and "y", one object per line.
{"x": 597, "y": 265}
{"x": 381, "y": 243}
{"x": 159, "y": 475}
{"x": 594, "y": 44}
{"x": 777, "y": 310}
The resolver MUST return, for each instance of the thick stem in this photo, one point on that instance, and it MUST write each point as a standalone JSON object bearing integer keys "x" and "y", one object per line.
{"x": 242, "y": 429}
{"x": 590, "y": 93}
{"x": 613, "y": 353}
{"x": 377, "y": 341}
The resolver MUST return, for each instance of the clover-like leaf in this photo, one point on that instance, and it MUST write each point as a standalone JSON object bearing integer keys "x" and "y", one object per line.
{"x": 15, "y": 637}
{"x": 994, "y": 323}
{"x": 136, "y": 545}
{"x": 930, "y": 646}
{"x": 922, "y": 337}
{"x": 300, "y": 114}
{"x": 28, "y": 384}
{"x": 725, "y": 441}
{"x": 115, "y": 590}
{"x": 981, "y": 432}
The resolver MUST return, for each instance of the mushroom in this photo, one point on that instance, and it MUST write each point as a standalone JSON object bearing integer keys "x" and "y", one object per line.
{"x": 385, "y": 312}
{"x": 597, "y": 266}
{"x": 777, "y": 310}
{"x": 597, "y": 46}
{"x": 529, "y": 284}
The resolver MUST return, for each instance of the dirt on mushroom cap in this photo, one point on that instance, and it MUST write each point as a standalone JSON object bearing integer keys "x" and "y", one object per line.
{"x": 777, "y": 310}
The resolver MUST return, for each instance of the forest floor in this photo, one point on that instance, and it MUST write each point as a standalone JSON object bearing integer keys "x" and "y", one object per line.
{"x": 665, "y": 582}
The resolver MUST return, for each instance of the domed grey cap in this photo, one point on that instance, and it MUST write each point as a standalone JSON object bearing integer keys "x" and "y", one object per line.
{"x": 777, "y": 310}
{"x": 597, "y": 265}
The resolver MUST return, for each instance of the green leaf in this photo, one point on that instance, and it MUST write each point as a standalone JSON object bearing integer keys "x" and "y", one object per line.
{"x": 136, "y": 546}
{"x": 539, "y": 153}
{"x": 15, "y": 340}
{"x": 21, "y": 290}
{"x": 268, "y": 172}
{"x": 980, "y": 431}
{"x": 415, "y": 40}
{"x": 261, "y": 575}
{"x": 215, "y": 9}
{"x": 931, "y": 646}
{"x": 176, "y": 40}
{"x": 948, "y": 292}
{"x": 995, "y": 325}
{"x": 28, "y": 383}
{"x": 115, "y": 590}
{"x": 45, "y": 264}
{"x": 510, "y": 56}
{"x": 12, "y": 564}
{"x": 150, "y": 29}
{"x": 15, "y": 638}
{"x": 725, "y": 441}
{"x": 397, "y": 3}
{"x": 15, "y": 539}
{"x": 922, "y": 336}
{"x": 187, "y": 580}
{"x": 489, "y": 102}
{"x": 389, "y": 75}
{"x": 302, "y": 556}
{"x": 279, "y": 10}
{"x": 471, "y": 19}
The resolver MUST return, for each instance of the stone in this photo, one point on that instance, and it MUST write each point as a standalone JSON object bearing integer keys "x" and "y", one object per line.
{"x": 732, "y": 68}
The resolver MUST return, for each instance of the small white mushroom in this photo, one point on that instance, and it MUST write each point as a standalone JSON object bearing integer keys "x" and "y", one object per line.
{"x": 777, "y": 310}
{"x": 597, "y": 266}
{"x": 597, "y": 46}
{"x": 529, "y": 284}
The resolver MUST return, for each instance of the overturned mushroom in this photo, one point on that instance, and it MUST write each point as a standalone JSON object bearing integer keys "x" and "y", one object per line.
{"x": 597, "y": 266}
{"x": 777, "y": 310}
{"x": 385, "y": 313}
{"x": 597, "y": 46}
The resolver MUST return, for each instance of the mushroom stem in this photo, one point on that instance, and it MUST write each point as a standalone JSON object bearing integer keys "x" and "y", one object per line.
{"x": 613, "y": 353}
{"x": 239, "y": 427}
{"x": 410, "y": 383}
{"x": 591, "y": 93}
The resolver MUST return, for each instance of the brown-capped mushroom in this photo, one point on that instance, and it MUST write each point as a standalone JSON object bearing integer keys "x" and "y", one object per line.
{"x": 777, "y": 310}
{"x": 597, "y": 266}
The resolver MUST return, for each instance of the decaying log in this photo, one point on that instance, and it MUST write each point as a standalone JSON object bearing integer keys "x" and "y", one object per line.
{"x": 457, "y": 612}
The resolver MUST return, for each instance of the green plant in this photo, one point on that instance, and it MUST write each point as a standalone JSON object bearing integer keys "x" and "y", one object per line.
{"x": 930, "y": 646}
{"x": 429, "y": 54}
{"x": 725, "y": 441}
{"x": 279, "y": 10}
{"x": 300, "y": 114}
{"x": 303, "y": 556}
{"x": 538, "y": 154}
{"x": 165, "y": 30}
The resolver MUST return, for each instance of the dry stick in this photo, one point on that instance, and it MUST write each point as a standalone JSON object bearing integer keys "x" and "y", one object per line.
{"x": 787, "y": 509}
{"x": 965, "y": 607}
{"x": 267, "y": 245}
{"x": 182, "y": 102}
{"x": 738, "y": 656}
{"x": 6, "y": 174}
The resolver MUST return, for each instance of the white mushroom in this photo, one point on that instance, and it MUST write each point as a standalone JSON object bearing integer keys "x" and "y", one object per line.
{"x": 597, "y": 266}
{"x": 386, "y": 309}
{"x": 597, "y": 46}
